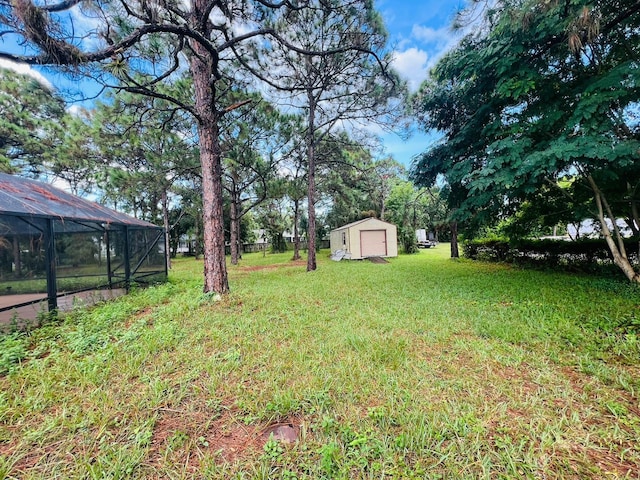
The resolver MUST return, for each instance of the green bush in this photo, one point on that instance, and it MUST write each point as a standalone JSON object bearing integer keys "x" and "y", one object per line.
{"x": 583, "y": 255}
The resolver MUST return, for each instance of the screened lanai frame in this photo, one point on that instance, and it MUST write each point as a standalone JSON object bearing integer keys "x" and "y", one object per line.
{"x": 55, "y": 246}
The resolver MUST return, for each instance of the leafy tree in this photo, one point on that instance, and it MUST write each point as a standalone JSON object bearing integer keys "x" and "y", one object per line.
{"x": 190, "y": 220}
{"x": 143, "y": 44}
{"x": 381, "y": 178}
{"x": 252, "y": 139}
{"x": 400, "y": 210}
{"x": 72, "y": 157}
{"x": 458, "y": 107}
{"x": 30, "y": 116}
{"x": 39, "y": 138}
{"x": 352, "y": 84}
{"x": 144, "y": 152}
{"x": 430, "y": 210}
{"x": 546, "y": 92}
{"x": 294, "y": 172}
{"x": 411, "y": 208}
{"x": 275, "y": 217}
{"x": 354, "y": 183}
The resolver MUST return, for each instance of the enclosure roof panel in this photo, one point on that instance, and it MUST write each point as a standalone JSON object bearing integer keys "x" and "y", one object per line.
{"x": 21, "y": 196}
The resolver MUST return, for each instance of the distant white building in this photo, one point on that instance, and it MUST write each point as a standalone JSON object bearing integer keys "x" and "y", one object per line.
{"x": 261, "y": 236}
{"x": 186, "y": 244}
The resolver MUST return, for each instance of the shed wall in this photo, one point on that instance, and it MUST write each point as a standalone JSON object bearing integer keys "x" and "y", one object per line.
{"x": 373, "y": 224}
{"x": 339, "y": 240}
{"x": 352, "y": 237}
{"x": 373, "y": 243}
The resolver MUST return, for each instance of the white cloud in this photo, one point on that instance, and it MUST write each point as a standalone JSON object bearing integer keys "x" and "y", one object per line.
{"x": 86, "y": 26}
{"x": 75, "y": 110}
{"x": 79, "y": 111}
{"x": 412, "y": 64}
{"x": 25, "y": 69}
{"x": 437, "y": 42}
{"x": 440, "y": 36}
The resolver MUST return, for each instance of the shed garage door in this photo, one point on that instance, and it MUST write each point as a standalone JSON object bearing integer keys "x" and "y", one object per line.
{"x": 373, "y": 243}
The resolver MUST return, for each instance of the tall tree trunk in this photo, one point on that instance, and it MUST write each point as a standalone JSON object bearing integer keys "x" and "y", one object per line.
{"x": 215, "y": 269}
{"x": 165, "y": 220}
{"x": 239, "y": 228}
{"x": 454, "y": 240}
{"x": 296, "y": 235}
{"x": 311, "y": 192}
{"x": 634, "y": 222}
{"x": 203, "y": 71}
{"x": 233, "y": 234}
{"x": 616, "y": 246}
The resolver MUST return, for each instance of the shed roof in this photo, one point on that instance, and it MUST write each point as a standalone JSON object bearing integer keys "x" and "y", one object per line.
{"x": 352, "y": 224}
{"x": 22, "y": 196}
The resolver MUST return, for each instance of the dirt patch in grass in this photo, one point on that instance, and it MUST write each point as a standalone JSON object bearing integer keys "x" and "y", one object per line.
{"x": 579, "y": 383}
{"x": 186, "y": 437}
{"x": 518, "y": 377}
{"x": 28, "y": 458}
{"x": 576, "y": 380}
{"x": 180, "y": 434}
{"x": 232, "y": 439}
{"x": 7, "y": 448}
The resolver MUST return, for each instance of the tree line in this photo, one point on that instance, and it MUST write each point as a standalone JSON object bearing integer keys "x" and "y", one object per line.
{"x": 256, "y": 106}
{"x": 140, "y": 155}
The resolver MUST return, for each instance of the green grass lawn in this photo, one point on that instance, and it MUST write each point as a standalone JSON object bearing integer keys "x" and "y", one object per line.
{"x": 421, "y": 368}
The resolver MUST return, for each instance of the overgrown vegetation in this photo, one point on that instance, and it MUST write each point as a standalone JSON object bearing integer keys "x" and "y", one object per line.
{"x": 536, "y": 106}
{"x": 421, "y": 368}
{"x": 586, "y": 255}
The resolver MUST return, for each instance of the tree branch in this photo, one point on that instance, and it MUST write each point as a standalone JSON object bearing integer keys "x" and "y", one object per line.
{"x": 58, "y": 52}
{"x": 59, "y": 7}
{"x": 236, "y": 105}
{"x": 142, "y": 90}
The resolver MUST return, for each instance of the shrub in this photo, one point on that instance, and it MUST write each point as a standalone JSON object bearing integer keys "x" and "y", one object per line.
{"x": 584, "y": 255}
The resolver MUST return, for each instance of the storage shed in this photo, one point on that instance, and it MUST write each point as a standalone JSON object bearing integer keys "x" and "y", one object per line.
{"x": 366, "y": 238}
{"x": 57, "y": 249}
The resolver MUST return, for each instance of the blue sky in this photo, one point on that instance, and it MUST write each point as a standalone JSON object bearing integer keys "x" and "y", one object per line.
{"x": 420, "y": 33}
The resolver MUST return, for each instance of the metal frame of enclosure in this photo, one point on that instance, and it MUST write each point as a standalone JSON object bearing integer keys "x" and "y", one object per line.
{"x": 54, "y": 244}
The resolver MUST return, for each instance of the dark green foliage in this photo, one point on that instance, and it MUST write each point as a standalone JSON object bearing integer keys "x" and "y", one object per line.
{"x": 29, "y": 122}
{"x": 545, "y": 94}
{"x": 410, "y": 209}
{"x": 407, "y": 239}
{"x": 357, "y": 184}
{"x": 143, "y": 153}
{"x": 587, "y": 255}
